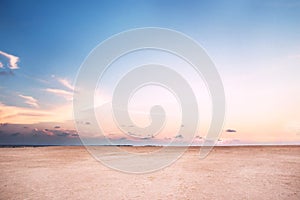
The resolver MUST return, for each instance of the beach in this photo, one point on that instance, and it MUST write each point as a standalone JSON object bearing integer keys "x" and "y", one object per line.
{"x": 70, "y": 172}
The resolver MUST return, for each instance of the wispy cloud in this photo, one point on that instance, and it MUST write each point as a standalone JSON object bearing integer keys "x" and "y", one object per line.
{"x": 30, "y": 100}
{"x": 66, "y": 83}
{"x": 66, "y": 94}
{"x": 14, "y": 114}
{"x": 22, "y": 115}
{"x": 12, "y": 60}
{"x": 1, "y": 65}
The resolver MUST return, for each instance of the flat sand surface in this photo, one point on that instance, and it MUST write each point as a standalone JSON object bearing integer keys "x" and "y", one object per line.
{"x": 227, "y": 173}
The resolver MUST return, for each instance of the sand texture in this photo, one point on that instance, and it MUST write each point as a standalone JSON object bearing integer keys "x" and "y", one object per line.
{"x": 227, "y": 173}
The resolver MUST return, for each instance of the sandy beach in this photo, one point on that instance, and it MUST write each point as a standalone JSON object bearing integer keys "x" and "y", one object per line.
{"x": 227, "y": 173}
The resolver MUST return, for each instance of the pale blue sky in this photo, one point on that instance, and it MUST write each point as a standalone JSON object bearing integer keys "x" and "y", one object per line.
{"x": 254, "y": 44}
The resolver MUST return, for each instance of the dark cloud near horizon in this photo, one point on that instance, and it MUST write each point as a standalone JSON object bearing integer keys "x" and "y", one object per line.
{"x": 57, "y": 127}
{"x": 3, "y": 124}
{"x": 146, "y": 138}
{"x": 179, "y": 136}
{"x": 231, "y": 131}
{"x": 54, "y": 133}
{"x": 37, "y": 134}
{"x": 63, "y": 133}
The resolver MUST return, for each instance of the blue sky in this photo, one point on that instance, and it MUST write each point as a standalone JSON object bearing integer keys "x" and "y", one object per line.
{"x": 253, "y": 43}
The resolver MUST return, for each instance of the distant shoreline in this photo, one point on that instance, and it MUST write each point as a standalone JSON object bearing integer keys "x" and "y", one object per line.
{"x": 193, "y": 146}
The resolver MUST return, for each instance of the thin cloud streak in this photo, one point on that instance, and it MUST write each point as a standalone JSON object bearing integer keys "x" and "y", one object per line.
{"x": 22, "y": 115}
{"x": 30, "y": 100}
{"x": 66, "y": 83}
{"x": 66, "y": 94}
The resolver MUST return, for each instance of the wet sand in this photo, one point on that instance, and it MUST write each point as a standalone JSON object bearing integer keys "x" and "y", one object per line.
{"x": 227, "y": 173}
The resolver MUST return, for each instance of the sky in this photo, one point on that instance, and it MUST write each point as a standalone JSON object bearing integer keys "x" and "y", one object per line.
{"x": 255, "y": 46}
